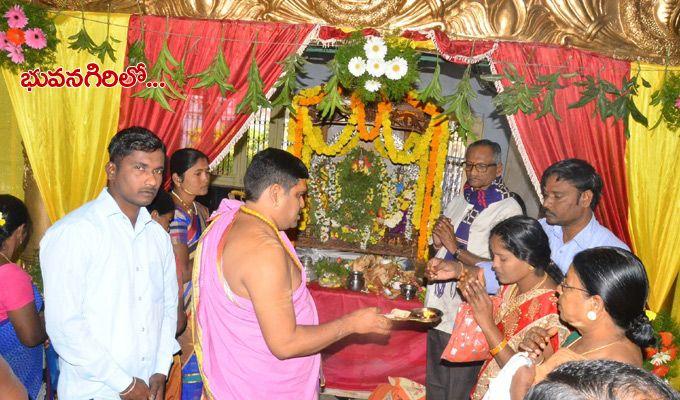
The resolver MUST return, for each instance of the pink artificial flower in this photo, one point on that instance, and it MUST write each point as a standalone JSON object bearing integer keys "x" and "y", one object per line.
{"x": 677, "y": 102}
{"x": 16, "y": 17}
{"x": 35, "y": 38}
{"x": 16, "y": 54}
{"x": 3, "y": 41}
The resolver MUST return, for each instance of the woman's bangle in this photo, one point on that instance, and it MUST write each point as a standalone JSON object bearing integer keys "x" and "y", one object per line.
{"x": 134, "y": 382}
{"x": 498, "y": 348}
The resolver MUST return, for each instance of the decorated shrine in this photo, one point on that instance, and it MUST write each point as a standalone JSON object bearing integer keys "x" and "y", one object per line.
{"x": 379, "y": 99}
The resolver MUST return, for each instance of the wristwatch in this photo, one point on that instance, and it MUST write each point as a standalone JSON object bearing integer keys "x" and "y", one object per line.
{"x": 456, "y": 254}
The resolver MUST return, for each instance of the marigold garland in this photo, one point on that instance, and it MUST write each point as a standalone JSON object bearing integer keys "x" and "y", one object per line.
{"x": 420, "y": 192}
{"x": 418, "y": 142}
{"x": 429, "y": 150}
{"x": 384, "y": 110}
{"x": 439, "y": 177}
{"x": 423, "y": 233}
{"x": 314, "y": 136}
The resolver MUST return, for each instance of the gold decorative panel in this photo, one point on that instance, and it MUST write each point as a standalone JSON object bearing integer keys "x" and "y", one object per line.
{"x": 626, "y": 29}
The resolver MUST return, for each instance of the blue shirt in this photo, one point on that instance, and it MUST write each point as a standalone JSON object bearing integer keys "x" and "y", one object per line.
{"x": 562, "y": 254}
{"x": 111, "y": 299}
{"x": 593, "y": 235}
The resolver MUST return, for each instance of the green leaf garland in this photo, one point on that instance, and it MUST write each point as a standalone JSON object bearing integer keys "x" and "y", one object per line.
{"x": 82, "y": 41}
{"x": 254, "y": 97}
{"x": 611, "y": 101}
{"x": 293, "y": 66}
{"x": 460, "y": 103}
{"x": 433, "y": 91}
{"x": 217, "y": 74}
{"x": 136, "y": 53}
{"x": 106, "y": 48}
{"x": 668, "y": 97}
{"x": 162, "y": 71}
{"x": 332, "y": 100}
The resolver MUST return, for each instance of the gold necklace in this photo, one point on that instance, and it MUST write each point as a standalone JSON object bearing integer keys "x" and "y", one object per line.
{"x": 190, "y": 209}
{"x": 601, "y": 347}
{"x": 271, "y": 224}
{"x": 5, "y": 257}
{"x": 512, "y": 303}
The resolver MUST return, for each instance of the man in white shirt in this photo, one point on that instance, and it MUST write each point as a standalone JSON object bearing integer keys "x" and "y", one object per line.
{"x": 463, "y": 235}
{"x": 110, "y": 282}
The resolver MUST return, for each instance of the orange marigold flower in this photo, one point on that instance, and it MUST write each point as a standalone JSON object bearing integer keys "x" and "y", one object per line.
{"x": 666, "y": 339}
{"x": 649, "y": 352}
{"x": 660, "y": 371}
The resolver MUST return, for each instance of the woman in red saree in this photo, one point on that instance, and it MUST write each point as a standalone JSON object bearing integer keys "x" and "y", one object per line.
{"x": 521, "y": 261}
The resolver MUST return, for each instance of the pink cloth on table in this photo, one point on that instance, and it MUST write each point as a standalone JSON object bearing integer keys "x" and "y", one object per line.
{"x": 16, "y": 289}
{"x": 235, "y": 360}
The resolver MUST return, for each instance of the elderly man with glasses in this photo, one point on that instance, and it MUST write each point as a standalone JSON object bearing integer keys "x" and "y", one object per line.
{"x": 462, "y": 235}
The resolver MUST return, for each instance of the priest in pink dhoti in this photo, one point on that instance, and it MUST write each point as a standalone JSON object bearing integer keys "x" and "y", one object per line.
{"x": 256, "y": 328}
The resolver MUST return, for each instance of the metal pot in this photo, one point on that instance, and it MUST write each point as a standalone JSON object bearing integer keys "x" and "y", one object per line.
{"x": 408, "y": 291}
{"x": 356, "y": 281}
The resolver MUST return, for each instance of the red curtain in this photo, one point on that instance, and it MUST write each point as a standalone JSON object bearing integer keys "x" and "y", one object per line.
{"x": 580, "y": 133}
{"x": 197, "y": 41}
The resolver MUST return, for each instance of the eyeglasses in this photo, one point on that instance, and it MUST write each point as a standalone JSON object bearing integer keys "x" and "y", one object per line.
{"x": 565, "y": 286}
{"x": 481, "y": 168}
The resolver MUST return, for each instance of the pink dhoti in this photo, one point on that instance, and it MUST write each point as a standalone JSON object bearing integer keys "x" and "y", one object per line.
{"x": 234, "y": 359}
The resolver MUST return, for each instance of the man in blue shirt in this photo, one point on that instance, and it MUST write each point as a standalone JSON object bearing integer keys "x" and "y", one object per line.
{"x": 571, "y": 191}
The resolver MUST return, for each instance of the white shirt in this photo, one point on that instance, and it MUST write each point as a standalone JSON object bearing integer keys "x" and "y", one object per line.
{"x": 110, "y": 297}
{"x": 478, "y": 244}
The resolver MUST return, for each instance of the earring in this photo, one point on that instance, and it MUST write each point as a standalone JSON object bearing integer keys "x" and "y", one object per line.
{"x": 531, "y": 268}
{"x": 591, "y": 315}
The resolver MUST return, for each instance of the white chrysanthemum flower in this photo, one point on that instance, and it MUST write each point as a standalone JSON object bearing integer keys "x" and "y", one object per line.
{"x": 396, "y": 69}
{"x": 356, "y": 66}
{"x": 375, "y": 68}
{"x": 660, "y": 358}
{"x": 372, "y": 86}
{"x": 375, "y": 48}
{"x": 394, "y": 220}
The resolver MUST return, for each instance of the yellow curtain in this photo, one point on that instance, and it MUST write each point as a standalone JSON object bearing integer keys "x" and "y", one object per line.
{"x": 12, "y": 158}
{"x": 66, "y": 130}
{"x": 654, "y": 194}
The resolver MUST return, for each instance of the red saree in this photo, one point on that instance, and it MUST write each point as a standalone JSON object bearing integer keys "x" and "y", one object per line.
{"x": 516, "y": 315}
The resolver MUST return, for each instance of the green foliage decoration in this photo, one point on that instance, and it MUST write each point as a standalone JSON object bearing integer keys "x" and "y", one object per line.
{"x": 293, "y": 66}
{"x": 668, "y": 97}
{"x": 254, "y": 97}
